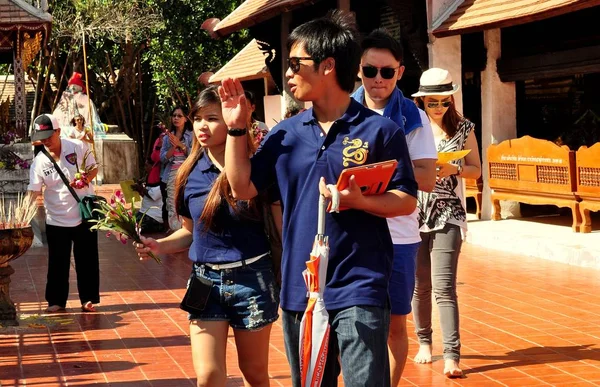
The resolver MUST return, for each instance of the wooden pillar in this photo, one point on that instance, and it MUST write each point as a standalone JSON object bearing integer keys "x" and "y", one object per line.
{"x": 20, "y": 93}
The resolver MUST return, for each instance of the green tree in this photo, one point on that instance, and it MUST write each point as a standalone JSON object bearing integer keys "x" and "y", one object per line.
{"x": 183, "y": 51}
{"x": 143, "y": 56}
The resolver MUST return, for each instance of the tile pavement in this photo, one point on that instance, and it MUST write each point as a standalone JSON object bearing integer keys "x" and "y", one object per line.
{"x": 524, "y": 322}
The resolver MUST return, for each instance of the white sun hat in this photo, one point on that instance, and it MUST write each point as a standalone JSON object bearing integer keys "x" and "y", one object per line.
{"x": 436, "y": 81}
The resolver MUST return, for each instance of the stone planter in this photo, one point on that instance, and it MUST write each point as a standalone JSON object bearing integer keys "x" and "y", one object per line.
{"x": 13, "y": 244}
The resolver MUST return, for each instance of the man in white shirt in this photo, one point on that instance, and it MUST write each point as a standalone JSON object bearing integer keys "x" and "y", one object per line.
{"x": 65, "y": 230}
{"x": 380, "y": 69}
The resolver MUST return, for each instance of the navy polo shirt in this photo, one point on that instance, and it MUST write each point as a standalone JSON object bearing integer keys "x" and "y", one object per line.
{"x": 295, "y": 155}
{"x": 241, "y": 238}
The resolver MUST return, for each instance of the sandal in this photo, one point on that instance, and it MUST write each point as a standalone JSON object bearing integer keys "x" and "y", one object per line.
{"x": 88, "y": 307}
{"x": 55, "y": 308}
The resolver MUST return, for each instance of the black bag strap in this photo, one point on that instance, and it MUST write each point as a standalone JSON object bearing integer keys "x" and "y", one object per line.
{"x": 61, "y": 174}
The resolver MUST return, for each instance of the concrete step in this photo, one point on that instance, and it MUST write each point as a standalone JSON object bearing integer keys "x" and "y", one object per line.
{"x": 548, "y": 237}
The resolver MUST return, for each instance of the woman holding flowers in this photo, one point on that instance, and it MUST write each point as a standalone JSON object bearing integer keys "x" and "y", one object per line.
{"x": 64, "y": 228}
{"x": 231, "y": 255}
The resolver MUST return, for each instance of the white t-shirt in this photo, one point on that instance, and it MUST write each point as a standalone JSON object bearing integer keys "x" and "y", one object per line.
{"x": 61, "y": 207}
{"x": 421, "y": 145}
{"x": 152, "y": 204}
{"x": 72, "y": 132}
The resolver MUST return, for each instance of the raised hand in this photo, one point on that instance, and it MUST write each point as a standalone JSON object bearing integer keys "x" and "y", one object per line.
{"x": 233, "y": 103}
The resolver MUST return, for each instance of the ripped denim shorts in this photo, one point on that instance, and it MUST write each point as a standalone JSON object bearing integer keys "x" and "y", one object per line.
{"x": 247, "y": 296}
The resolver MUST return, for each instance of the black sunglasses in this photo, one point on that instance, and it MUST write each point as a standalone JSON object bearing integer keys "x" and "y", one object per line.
{"x": 294, "y": 62}
{"x": 433, "y": 105}
{"x": 386, "y": 72}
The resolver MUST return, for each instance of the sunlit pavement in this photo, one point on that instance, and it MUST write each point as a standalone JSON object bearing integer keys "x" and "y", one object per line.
{"x": 524, "y": 321}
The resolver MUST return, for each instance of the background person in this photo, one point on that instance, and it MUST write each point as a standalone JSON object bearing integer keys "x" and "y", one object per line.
{"x": 78, "y": 130}
{"x": 229, "y": 247}
{"x": 381, "y": 69}
{"x": 442, "y": 215}
{"x": 64, "y": 229}
{"x": 175, "y": 149}
{"x": 150, "y": 211}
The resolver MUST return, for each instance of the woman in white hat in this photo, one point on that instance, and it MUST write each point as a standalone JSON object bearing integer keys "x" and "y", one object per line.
{"x": 442, "y": 216}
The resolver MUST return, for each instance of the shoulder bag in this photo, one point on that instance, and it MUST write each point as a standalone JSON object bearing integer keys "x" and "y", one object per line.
{"x": 88, "y": 203}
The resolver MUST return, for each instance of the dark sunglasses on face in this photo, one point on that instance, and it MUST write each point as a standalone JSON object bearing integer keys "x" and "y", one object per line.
{"x": 386, "y": 72}
{"x": 294, "y": 62}
{"x": 433, "y": 105}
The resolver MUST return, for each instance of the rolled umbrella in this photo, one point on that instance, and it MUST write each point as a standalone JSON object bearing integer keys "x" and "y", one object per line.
{"x": 314, "y": 327}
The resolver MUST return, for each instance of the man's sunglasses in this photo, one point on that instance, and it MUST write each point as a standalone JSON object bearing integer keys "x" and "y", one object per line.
{"x": 294, "y": 62}
{"x": 386, "y": 72}
{"x": 434, "y": 105}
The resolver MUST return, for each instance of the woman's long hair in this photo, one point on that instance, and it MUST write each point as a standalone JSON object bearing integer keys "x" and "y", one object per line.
{"x": 451, "y": 120}
{"x": 188, "y": 122}
{"x": 220, "y": 194}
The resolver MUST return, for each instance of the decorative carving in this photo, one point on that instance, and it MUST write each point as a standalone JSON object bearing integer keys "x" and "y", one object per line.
{"x": 31, "y": 47}
{"x": 589, "y": 176}
{"x": 20, "y": 101}
{"x": 552, "y": 175}
{"x": 6, "y": 41}
{"x": 503, "y": 171}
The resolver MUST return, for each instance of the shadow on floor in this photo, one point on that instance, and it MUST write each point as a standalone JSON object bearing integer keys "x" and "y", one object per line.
{"x": 536, "y": 355}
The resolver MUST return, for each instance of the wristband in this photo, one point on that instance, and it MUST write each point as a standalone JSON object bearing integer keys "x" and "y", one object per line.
{"x": 235, "y": 132}
{"x": 459, "y": 170}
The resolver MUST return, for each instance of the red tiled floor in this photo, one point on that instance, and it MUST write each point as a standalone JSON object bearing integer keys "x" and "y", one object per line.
{"x": 524, "y": 322}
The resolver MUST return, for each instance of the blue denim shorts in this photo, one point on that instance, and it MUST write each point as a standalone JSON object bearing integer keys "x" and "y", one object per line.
{"x": 247, "y": 297}
{"x": 402, "y": 281}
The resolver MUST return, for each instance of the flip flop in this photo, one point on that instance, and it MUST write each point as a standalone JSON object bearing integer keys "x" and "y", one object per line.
{"x": 88, "y": 307}
{"x": 55, "y": 309}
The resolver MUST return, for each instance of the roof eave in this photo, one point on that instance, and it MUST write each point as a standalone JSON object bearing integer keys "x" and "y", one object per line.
{"x": 258, "y": 18}
{"x": 445, "y": 32}
{"x": 264, "y": 74}
{"x": 41, "y": 15}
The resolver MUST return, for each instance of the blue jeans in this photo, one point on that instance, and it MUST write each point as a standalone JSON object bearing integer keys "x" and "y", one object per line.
{"x": 247, "y": 297}
{"x": 358, "y": 335}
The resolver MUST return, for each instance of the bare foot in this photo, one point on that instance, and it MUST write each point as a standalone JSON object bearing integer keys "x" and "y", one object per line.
{"x": 451, "y": 369}
{"x": 424, "y": 354}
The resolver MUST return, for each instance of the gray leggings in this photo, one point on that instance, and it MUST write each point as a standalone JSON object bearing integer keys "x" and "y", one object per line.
{"x": 437, "y": 263}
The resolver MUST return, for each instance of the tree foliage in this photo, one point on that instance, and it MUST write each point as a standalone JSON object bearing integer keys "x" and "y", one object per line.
{"x": 143, "y": 56}
{"x": 183, "y": 51}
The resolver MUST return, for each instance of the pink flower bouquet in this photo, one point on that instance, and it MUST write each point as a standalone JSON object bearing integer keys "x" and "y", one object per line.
{"x": 81, "y": 177}
{"x": 119, "y": 220}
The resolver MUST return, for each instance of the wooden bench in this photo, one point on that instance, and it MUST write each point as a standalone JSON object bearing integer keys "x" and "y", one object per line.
{"x": 588, "y": 183}
{"x": 533, "y": 171}
{"x": 474, "y": 189}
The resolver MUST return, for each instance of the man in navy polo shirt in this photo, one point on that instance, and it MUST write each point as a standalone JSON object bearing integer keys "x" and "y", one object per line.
{"x": 335, "y": 134}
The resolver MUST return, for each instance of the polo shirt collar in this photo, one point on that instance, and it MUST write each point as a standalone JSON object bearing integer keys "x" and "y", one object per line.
{"x": 205, "y": 164}
{"x": 351, "y": 114}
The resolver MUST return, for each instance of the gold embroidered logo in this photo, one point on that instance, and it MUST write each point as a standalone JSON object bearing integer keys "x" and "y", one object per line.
{"x": 356, "y": 152}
